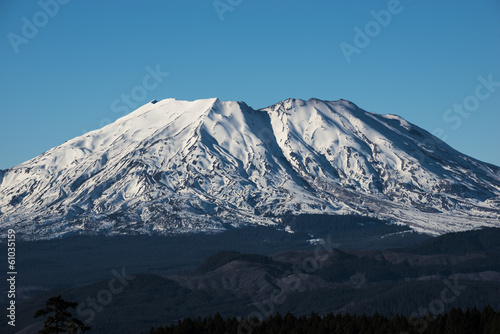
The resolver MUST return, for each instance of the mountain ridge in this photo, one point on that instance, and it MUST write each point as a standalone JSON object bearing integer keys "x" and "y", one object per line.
{"x": 313, "y": 279}
{"x": 181, "y": 166}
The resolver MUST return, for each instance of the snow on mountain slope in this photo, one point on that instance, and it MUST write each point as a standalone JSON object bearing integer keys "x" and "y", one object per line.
{"x": 179, "y": 166}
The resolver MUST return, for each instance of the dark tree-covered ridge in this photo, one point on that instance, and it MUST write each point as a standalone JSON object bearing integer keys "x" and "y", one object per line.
{"x": 457, "y": 321}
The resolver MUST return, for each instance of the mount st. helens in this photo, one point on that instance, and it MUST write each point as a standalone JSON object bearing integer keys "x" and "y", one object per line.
{"x": 178, "y": 166}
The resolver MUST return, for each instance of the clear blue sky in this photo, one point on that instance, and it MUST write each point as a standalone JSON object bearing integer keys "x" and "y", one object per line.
{"x": 68, "y": 77}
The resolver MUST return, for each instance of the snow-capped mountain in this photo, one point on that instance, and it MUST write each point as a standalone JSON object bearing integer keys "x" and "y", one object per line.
{"x": 177, "y": 166}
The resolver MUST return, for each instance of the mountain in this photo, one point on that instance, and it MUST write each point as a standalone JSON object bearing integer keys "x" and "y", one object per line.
{"x": 407, "y": 281}
{"x": 178, "y": 166}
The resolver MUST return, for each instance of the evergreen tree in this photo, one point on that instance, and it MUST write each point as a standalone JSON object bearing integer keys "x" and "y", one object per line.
{"x": 59, "y": 318}
{"x": 456, "y": 321}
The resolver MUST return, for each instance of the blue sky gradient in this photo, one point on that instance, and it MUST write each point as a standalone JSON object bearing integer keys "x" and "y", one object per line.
{"x": 70, "y": 74}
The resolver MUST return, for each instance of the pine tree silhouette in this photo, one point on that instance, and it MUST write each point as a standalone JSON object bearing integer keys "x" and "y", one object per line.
{"x": 60, "y": 319}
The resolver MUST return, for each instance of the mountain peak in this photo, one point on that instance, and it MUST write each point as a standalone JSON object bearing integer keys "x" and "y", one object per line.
{"x": 180, "y": 166}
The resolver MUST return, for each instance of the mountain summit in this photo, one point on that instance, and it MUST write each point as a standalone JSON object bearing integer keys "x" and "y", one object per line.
{"x": 179, "y": 166}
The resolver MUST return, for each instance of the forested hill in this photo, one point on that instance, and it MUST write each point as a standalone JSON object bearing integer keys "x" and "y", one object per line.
{"x": 457, "y": 321}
